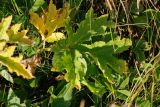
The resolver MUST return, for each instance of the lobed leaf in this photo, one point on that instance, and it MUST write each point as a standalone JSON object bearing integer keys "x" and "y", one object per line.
{"x": 14, "y": 65}
{"x": 49, "y": 21}
{"x": 4, "y": 25}
{"x": 18, "y": 37}
{"x": 55, "y": 37}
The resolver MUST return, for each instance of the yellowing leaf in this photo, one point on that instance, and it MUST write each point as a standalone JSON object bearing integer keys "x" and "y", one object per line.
{"x": 16, "y": 36}
{"x": 49, "y": 20}
{"x": 2, "y": 44}
{"x": 52, "y": 12}
{"x": 55, "y": 37}
{"x": 16, "y": 27}
{"x": 4, "y": 25}
{"x": 38, "y": 23}
{"x": 12, "y": 34}
{"x": 8, "y": 52}
{"x": 14, "y": 65}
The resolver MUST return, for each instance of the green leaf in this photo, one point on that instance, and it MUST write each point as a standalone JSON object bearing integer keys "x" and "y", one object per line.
{"x": 13, "y": 100}
{"x": 89, "y": 27}
{"x": 143, "y": 103}
{"x": 64, "y": 97}
{"x": 75, "y": 3}
{"x": 71, "y": 75}
{"x": 6, "y": 75}
{"x": 123, "y": 94}
{"x": 57, "y": 62}
{"x": 51, "y": 90}
{"x": 73, "y": 63}
{"x": 66, "y": 61}
{"x": 120, "y": 45}
{"x": 104, "y": 58}
{"x": 80, "y": 65}
{"x": 96, "y": 88}
{"x": 37, "y": 5}
{"x": 124, "y": 83}
{"x": 34, "y": 83}
{"x": 141, "y": 21}
{"x": 139, "y": 48}
{"x": 3, "y": 96}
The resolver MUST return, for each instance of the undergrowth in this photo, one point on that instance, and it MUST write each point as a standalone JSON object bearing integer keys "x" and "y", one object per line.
{"x": 79, "y": 53}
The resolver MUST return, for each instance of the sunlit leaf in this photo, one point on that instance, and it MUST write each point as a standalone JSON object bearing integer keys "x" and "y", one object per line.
{"x": 64, "y": 96}
{"x": 6, "y": 75}
{"x": 50, "y": 20}
{"x": 13, "y": 100}
{"x": 80, "y": 68}
{"x": 18, "y": 37}
{"x": 124, "y": 83}
{"x": 120, "y": 45}
{"x": 2, "y": 44}
{"x": 89, "y": 27}
{"x": 106, "y": 60}
{"x": 37, "y": 5}
{"x": 55, "y": 37}
{"x": 8, "y": 52}
{"x": 96, "y": 88}
{"x": 4, "y": 25}
{"x": 75, "y": 65}
{"x": 13, "y": 64}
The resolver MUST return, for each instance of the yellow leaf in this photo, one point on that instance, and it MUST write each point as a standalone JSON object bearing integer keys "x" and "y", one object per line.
{"x": 52, "y": 12}
{"x": 38, "y": 23}
{"x": 15, "y": 28}
{"x": 49, "y": 20}
{"x": 14, "y": 65}
{"x": 8, "y": 52}
{"x": 55, "y": 37}
{"x": 4, "y": 25}
{"x": 2, "y": 44}
{"x": 18, "y": 37}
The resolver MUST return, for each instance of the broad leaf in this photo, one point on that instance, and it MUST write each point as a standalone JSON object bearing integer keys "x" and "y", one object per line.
{"x": 64, "y": 97}
{"x": 8, "y": 52}
{"x": 4, "y": 25}
{"x": 73, "y": 63}
{"x": 18, "y": 37}
{"x": 124, "y": 83}
{"x": 139, "y": 48}
{"x": 96, "y": 88}
{"x": 80, "y": 68}
{"x": 65, "y": 61}
{"x": 6, "y": 75}
{"x": 50, "y": 20}
{"x": 37, "y": 5}
{"x": 13, "y": 100}
{"x": 57, "y": 62}
{"x": 90, "y": 27}
{"x": 55, "y": 37}
{"x": 120, "y": 45}
{"x": 12, "y": 35}
{"x": 105, "y": 59}
{"x": 2, "y": 45}
{"x": 14, "y": 65}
